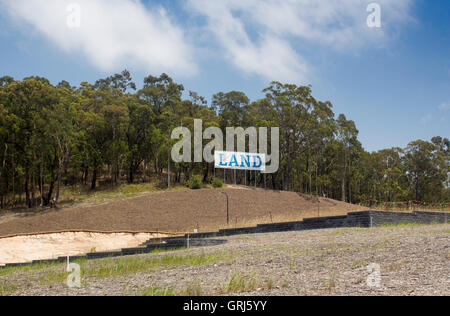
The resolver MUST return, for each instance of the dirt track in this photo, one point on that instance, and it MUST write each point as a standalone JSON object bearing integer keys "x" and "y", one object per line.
{"x": 182, "y": 211}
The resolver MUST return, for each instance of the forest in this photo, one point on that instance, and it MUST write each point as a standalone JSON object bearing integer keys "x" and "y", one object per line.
{"x": 109, "y": 132}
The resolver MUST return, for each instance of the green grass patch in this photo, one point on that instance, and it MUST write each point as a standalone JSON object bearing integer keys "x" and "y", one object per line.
{"x": 7, "y": 289}
{"x": 347, "y": 231}
{"x": 441, "y": 231}
{"x": 217, "y": 183}
{"x": 32, "y": 268}
{"x": 407, "y": 225}
{"x": 54, "y": 273}
{"x": 36, "y": 267}
{"x": 156, "y": 290}
{"x": 195, "y": 183}
{"x": 239, "y": 284}
{"x": 193, "y": 289}
{"x": 53, "y": 276}
{"x": 127, "y": 265}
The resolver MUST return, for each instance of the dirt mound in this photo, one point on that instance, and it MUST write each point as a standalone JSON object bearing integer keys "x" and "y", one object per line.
{"x": 183, "y": 211}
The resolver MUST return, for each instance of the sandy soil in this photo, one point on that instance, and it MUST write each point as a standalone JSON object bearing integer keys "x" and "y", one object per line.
{"x": 412, "y": 261}
{"x": 40, "y": 247}
{"x": 183, "y": 211}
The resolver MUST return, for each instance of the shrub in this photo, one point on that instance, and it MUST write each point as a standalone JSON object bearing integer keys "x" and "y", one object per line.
{"x": 217, "y": 183}
{"x": 195, "y": 183}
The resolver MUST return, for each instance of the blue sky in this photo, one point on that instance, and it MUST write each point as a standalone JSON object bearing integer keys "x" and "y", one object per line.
{"x": 393, "y": 81}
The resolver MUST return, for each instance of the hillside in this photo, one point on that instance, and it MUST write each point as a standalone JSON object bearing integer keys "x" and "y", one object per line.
{"x": 183, "y": 211}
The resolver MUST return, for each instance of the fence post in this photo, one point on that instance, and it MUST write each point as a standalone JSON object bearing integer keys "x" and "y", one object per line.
{"x": 228, "y": 207}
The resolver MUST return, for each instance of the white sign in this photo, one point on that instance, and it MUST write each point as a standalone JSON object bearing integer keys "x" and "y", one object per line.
{"x": 239, "y": 161}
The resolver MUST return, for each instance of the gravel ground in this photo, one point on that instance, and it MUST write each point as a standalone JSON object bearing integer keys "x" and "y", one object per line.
{"x": 412, "y": 260}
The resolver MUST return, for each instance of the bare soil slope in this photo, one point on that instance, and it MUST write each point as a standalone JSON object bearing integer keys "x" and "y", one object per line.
{"x": 183, "y": 211}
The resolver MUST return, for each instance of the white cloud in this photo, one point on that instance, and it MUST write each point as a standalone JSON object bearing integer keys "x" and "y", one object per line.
{"x": 426, "y": 119}
{"x": 445, "y": 106}
{"x": 260, "y": 37}
{"x": 257, "y": 34}
{"x": 113, "y": 34}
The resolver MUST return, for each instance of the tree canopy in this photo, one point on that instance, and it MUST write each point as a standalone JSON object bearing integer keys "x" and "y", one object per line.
{"x": 109, "y": 132}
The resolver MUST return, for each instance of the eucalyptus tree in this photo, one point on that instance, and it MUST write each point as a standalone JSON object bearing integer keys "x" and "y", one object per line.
{"x": 349, "y": 150}
{"x": 421, "y": 167}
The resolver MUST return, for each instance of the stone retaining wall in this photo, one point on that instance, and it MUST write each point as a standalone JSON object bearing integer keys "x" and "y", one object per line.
{"x": 356, "y": 219}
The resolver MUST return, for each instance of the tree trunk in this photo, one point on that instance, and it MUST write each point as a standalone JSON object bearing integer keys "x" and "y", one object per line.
{"x": 344, "y": 175}
{"x": 117, "y": 176}
{"x": 50, "y": 192}
{"x": 131, "y": 175}
{"x": 33, "y": 189}
{"x": 3, "y": 187}
{"x": 350, "y": 193}
{"x": 58, "y": 183}
{"x": 286, "y": 175}
{"x": 62, "y": 165}
{"x": 206, "y": 174}
{"x": 27, "y": 190}
{"x": 417, "y": 188}
{"x": 94, "y": 179}
{"x": 343, "y": 188}
{"x": 13, "y": 170}
{"x": 41, "y": 183}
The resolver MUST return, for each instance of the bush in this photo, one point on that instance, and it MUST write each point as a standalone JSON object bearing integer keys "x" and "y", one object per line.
{"x": 217, "y": 183}
{"x": 195, "y": 183}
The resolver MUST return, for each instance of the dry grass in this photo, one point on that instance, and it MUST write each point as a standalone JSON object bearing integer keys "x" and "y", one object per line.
{"x": 156, "y": 290}
{"x": 7, "y": 289}
{"x": 412, "y": 209}
{"x": 244, "y": 283}
{"x": 193, "y": 289}
{"x": 239, "y": 284}
{"x": 128, "y": 265}
{"x": 83, "y": 196}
